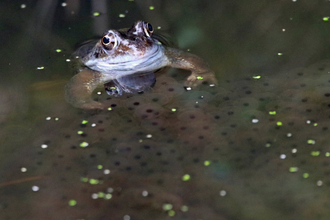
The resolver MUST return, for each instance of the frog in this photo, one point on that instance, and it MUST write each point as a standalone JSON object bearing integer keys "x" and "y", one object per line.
{"x": 135, "y": 84}
{"x": 128, "y": 52}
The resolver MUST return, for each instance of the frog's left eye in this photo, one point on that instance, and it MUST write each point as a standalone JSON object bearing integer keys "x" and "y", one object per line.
{"x": 148, "y": 29}
{"x": 109, "y": 41}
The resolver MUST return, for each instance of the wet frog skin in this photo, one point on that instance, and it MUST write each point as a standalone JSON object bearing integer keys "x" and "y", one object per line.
{"x": 126, "y": 52}
{"x": 137, "y": 84}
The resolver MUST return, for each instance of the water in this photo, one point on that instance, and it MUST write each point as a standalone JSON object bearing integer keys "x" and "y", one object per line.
{"x": 255, "y": 147}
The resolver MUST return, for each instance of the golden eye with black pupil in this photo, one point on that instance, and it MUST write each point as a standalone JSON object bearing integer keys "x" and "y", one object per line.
{"x": 105, "y": 40}
{"x": 147, "y": 29}
{"x": 109, "y": 41}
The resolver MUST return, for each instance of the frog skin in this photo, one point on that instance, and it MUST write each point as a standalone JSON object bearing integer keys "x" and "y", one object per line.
{"x": 137, "y": 84}
{"x": 121, "y": 53}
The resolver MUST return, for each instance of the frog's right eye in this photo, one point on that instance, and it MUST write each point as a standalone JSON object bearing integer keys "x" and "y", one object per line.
{"x": 148, "y": 30}
{"x": 109, "y": 41}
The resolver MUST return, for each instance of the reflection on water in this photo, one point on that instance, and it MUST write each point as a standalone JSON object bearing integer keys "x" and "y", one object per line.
{"x": 254, "y": 147}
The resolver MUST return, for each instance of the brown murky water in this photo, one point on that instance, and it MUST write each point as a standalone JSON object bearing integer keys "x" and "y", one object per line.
{"x": 254, "y": 147}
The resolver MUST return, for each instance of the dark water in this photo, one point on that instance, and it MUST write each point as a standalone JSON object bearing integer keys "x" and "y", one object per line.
{"x": 255, "y": 147}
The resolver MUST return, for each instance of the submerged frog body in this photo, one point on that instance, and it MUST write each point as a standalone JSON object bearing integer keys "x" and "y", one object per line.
{"x": 131, "y": 84}
{"x": 128, "y": 52}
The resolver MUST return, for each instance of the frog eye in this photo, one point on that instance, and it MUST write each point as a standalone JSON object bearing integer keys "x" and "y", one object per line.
{"x": 148, "y": 29}
{"x": 109, "y": 41}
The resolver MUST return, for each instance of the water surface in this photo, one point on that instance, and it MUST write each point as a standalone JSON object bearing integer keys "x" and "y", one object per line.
{"x": 254, "y": 147}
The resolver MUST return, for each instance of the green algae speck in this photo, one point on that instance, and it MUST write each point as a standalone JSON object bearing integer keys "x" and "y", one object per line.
{"x": 315, "y": 153}
{"x": 108, "y": 196}
{"x": 310, "y": 141}
{"x": 94, "y": 181}
{"x": 84, "y": 179}
{"x": 272, "y": 112}
{"x": 84, "y": 144}
{"x": 293, "y": 169}
{"x": 184, "y": 208}
{"x": 72, "y": 202}
{"x": 171, "y": 213}
{"x": 305, "y": 175}
{"x": 186, "y": 177}
{"x": 100, "y": 195}
{"x": 167, "y": 206}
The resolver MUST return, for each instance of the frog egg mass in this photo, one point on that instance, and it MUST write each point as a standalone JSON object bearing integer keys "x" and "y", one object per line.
{"x": 128, "y": 126}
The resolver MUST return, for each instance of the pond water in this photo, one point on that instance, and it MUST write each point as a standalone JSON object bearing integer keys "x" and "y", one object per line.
{"x": 254, "y": 147}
